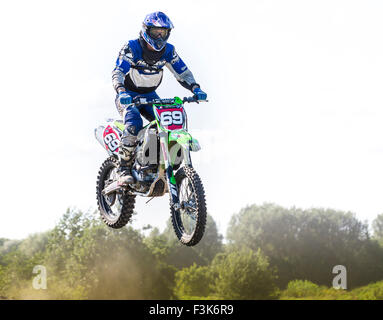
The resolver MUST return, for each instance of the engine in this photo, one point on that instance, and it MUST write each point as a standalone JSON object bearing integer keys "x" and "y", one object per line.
{"x": 147, "y": 151}
{"x": 147, "y": 158}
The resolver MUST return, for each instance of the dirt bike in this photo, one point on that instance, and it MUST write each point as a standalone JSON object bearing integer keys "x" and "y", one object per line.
{"x": 162, "y": 163}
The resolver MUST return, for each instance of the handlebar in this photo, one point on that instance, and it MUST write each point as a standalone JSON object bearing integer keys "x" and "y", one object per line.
{"x": 137, "y": 101}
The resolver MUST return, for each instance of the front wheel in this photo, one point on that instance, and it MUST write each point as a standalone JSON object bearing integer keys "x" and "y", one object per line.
{"x": 189, "y": 221}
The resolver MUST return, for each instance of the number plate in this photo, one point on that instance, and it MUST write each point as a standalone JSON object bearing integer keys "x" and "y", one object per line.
{"x": 111, "y": 139}
{"x": 171, "y": 118}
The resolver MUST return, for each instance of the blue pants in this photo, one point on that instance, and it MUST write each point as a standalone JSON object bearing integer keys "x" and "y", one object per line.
{"x": 133, "y": 120}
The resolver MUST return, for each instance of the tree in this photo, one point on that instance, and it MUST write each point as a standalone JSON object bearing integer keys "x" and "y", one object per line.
{"x": 193, "y": 281}
{"x": 307, "y": 244}
{"x": 86, "y": 260}
{"x": 7, "y": 246}
{"x": 34, "y": 243}
{"x": 377, "y": 227}
{"x": 244, "y": 274}
{"x": 301, "y": 289}
{"x": 203, "y": 253}
{"x": 90, "y": 260}
{"x": 211, "y": 243}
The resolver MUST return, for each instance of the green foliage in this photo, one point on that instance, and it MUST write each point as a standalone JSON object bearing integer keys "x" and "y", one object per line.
{"x": 242, "y": 273}
{"x": 238, "y": 273}
{"x": 158, "y": 244}
{"x": 193, "y": 281}
{"x": 87, "y": 260}
{"x": 17, "y": 271}
{"x": 211, "y": 243}
{"x": 305, "y": 290}
{"x": 103, "y": 263}
{"x": 268, "y": 246}
{"x": 33, "y": 244}
{"x": 377, "y": 227}
{"x": 7, "y": 246}
{"x": 373, "y": 291}
{"x": 300, "y": 289}
{"x": 307, "y": 244}
{"x": 181, "y": 256}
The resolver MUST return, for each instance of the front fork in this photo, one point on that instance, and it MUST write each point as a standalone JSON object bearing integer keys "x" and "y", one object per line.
{"x": 170, "y": 179}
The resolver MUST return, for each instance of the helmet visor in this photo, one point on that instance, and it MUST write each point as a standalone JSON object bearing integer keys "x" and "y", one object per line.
{"x": 158, "y": 33}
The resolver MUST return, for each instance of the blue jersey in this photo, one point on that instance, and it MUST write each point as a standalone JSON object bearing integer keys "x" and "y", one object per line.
{"x": 134, "y": 73}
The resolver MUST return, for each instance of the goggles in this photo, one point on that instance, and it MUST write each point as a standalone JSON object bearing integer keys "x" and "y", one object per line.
{"x": 156, "y": 33}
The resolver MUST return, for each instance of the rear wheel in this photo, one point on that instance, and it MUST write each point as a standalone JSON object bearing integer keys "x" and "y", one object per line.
{"x": 190, "y": 220}
{"x": 116, "y": 209}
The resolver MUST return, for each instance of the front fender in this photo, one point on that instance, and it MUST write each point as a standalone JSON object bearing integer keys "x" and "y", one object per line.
{"x": 185, "y": 140}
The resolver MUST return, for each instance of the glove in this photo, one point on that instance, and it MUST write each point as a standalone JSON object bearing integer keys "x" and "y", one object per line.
{"x": 124, "y": 98}
{"x": 199, "y": 94}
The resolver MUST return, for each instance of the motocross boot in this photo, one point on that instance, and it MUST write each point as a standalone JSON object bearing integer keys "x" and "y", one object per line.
{"x": 126, "y": 153}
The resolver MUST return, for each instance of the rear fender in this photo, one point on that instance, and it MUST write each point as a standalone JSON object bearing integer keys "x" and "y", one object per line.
{"x": 109, "y": 135}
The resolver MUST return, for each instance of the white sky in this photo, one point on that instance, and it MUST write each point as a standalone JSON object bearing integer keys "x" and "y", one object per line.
{"x": 295, "y": 111}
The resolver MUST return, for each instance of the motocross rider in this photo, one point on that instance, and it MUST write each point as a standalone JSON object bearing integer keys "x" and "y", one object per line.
{"x": 138, "y": 73}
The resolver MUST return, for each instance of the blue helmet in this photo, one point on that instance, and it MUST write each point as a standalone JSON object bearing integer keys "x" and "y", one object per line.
{"x": 156, "y": 29}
